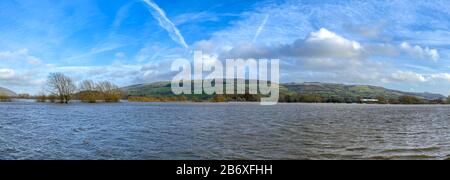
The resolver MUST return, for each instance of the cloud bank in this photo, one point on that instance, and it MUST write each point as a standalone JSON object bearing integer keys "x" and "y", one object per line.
{"x": 419, "y": 52}
{"x": 21, "y": 55}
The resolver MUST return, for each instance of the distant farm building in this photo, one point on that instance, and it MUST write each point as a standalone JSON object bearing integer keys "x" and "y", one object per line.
{"x": 369, "y": 100}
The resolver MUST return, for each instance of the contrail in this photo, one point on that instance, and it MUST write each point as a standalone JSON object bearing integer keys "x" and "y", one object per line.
{"x": 165, "y": 23}
{"x": 261, "y": 28}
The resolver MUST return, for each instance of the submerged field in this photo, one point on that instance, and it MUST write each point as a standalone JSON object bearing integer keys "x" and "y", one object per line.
{"x": 31, "y": 130}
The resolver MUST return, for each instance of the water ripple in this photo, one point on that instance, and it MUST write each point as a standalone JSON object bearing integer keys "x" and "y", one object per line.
{"x": 222, "y": 131}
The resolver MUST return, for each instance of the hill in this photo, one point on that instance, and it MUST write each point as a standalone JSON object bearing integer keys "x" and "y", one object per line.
{"x": 353, "y": 92}
{"x": 153, "y": 89}
{"x": 7, "y": 92}
{"x": 323, "y": 89}
{"x": 328, "y": 92}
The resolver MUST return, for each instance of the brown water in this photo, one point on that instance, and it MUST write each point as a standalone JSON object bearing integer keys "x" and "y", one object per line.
{"x": 223, "y": 131}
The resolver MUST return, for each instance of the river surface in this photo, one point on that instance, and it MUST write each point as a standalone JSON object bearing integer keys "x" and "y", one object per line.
{"x": 152, "y": 131}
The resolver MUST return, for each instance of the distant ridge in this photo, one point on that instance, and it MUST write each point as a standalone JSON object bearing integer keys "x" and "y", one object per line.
{"x": 328, "y": 90}
{"x": 7, "y": 92}
{"x": 355, "y": 91}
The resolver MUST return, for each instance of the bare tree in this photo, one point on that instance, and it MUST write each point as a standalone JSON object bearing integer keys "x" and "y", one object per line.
{"x": 61, "y": 86}
{"x": 88, "y": 92}
{"x": 87, "y": 85}
{"x": 41, "y": 97}
{"x": 4, "y": 97}
{"x": 110, "y": 91}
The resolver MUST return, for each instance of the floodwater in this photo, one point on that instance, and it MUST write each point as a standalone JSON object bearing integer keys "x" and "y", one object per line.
{"x": 174, "y": 131}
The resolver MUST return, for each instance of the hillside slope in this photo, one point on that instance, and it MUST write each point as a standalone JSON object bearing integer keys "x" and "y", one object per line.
{"x": 7, "y": 92}
{"x": 326, "y": 90}
{"x": 354, "y": 91}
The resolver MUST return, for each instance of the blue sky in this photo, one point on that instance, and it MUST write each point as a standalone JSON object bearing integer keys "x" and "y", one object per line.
{"x": 397, "y": 44}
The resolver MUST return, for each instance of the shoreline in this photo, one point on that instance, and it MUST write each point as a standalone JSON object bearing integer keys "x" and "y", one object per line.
{"x": 205, "y": 102}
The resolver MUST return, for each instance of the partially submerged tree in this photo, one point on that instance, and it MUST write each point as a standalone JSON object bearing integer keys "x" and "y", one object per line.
{"x": 88, "y": 92}
{"x": 4, "y": 98}
{"x": 41, "y": 98}
{"x": 219, "y": 98}
{"x": 410, "y": 100}
{"x": 61, "y": 86}
{"x": 52, "y": 98}
{"x": 109, "y": 91}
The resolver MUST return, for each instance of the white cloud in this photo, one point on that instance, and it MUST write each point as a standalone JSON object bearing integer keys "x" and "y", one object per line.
{"x": 441, "y": 76}
{"x": 10, "y": 78}
{"x": 19, "y": 56}
{"x": 408, "y": 77}
{"x": 320, "y": 44}
{"x": 248, "y": 50}
{"x": 325, "y": 43}
{"x": 7, "y": 74}
{"x": 155, "y": 71}
{"x": 412, "y": 77}
{"x": 419, "y": 52}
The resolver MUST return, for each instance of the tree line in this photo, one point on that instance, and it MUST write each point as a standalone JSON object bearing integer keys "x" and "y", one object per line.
{"x": 316, "y": 98}
{"x": 285, "y": 98}
{"x": 5, "y": 98}
{"x": 196, "y": 98}
{"x": 62, "y": 89}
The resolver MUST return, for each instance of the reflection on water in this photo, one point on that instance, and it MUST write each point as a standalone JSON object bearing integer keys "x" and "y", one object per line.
{"x": 223, "y": 131}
